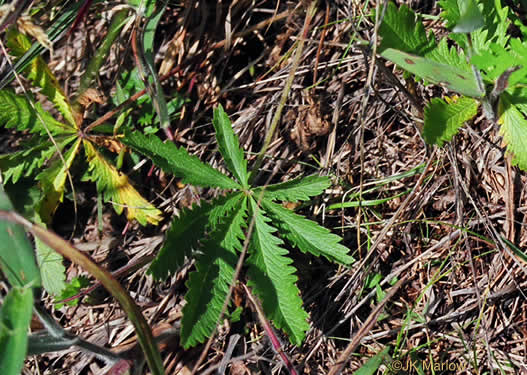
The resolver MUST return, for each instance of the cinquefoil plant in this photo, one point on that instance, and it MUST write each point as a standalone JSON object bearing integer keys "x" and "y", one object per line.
{"x": 216, "y": 229}
{"x": 39, "y": 161}
{"x": 478, "y": 59}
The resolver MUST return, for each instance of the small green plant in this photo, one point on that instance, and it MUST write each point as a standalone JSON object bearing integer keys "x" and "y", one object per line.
{"x": 478, "y": 60}
{"x": 213, "y": 233}
{"x": 144, "y": 113}
{"x": 25, "y": 114}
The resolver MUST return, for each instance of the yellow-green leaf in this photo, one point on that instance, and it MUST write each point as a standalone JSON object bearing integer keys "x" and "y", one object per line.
{"x": 118, "y": 190}
{"x": 53, "y": 182}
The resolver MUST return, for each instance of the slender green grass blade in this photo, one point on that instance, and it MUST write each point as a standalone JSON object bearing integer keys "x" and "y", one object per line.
{"x": 372, "y": 365}
{"x": 65, "y": 19}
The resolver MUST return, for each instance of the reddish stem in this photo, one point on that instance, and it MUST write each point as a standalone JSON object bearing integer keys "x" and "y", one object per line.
{"x": 80, "y": 16}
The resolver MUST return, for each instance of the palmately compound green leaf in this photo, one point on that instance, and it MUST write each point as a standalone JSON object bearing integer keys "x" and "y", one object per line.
{"x": 444, "y": 118}
{"x": 273, "y": 280}
{"x": 118, "y": 190}
{"x": 514, "y": 131}
{"x": 15, "y": 316}
{"x": 17, "y": 259}
{"x": 209, "y": 284}
{"x": 187, "y": 230}
{"x": 230, "y": 147}
{"x": 307, "y": 235}
{"x": 298, "y": 189}
{"x": 178, "y": 161}
{"x": 402, "y": 30}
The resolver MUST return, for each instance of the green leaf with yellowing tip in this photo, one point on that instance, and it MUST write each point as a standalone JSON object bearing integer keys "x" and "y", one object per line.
{"x": 53, "y": 182}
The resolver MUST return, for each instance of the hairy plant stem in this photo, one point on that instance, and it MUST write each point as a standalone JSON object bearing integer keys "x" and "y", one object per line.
{"x": 144, "y": 334}
{"x": 285, "y": 93}
{"x": 39, "y": 344}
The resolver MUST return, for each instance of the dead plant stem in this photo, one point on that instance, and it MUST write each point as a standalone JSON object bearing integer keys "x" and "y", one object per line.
{"x": 285, "y": 93}
{"x": 367, "y": 91}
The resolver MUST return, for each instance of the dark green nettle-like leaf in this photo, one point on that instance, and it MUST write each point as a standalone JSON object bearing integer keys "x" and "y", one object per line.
{"x": 273, "y": 279}
{"x": 307, "y": 235}
{"x": 402, "y": 30}
{"x": 299, "y": 189}
{"x": 209, "y": 284}
{"x": 230, "y": 147}
{"x": 178, "y": 161}
{"x": 17, "y": 258}
{"x": 15, "y": 316}
{"x": 444, "y": 118}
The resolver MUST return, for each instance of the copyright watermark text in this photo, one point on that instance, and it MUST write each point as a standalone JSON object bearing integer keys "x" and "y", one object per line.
{"x": 414, "y": 365}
